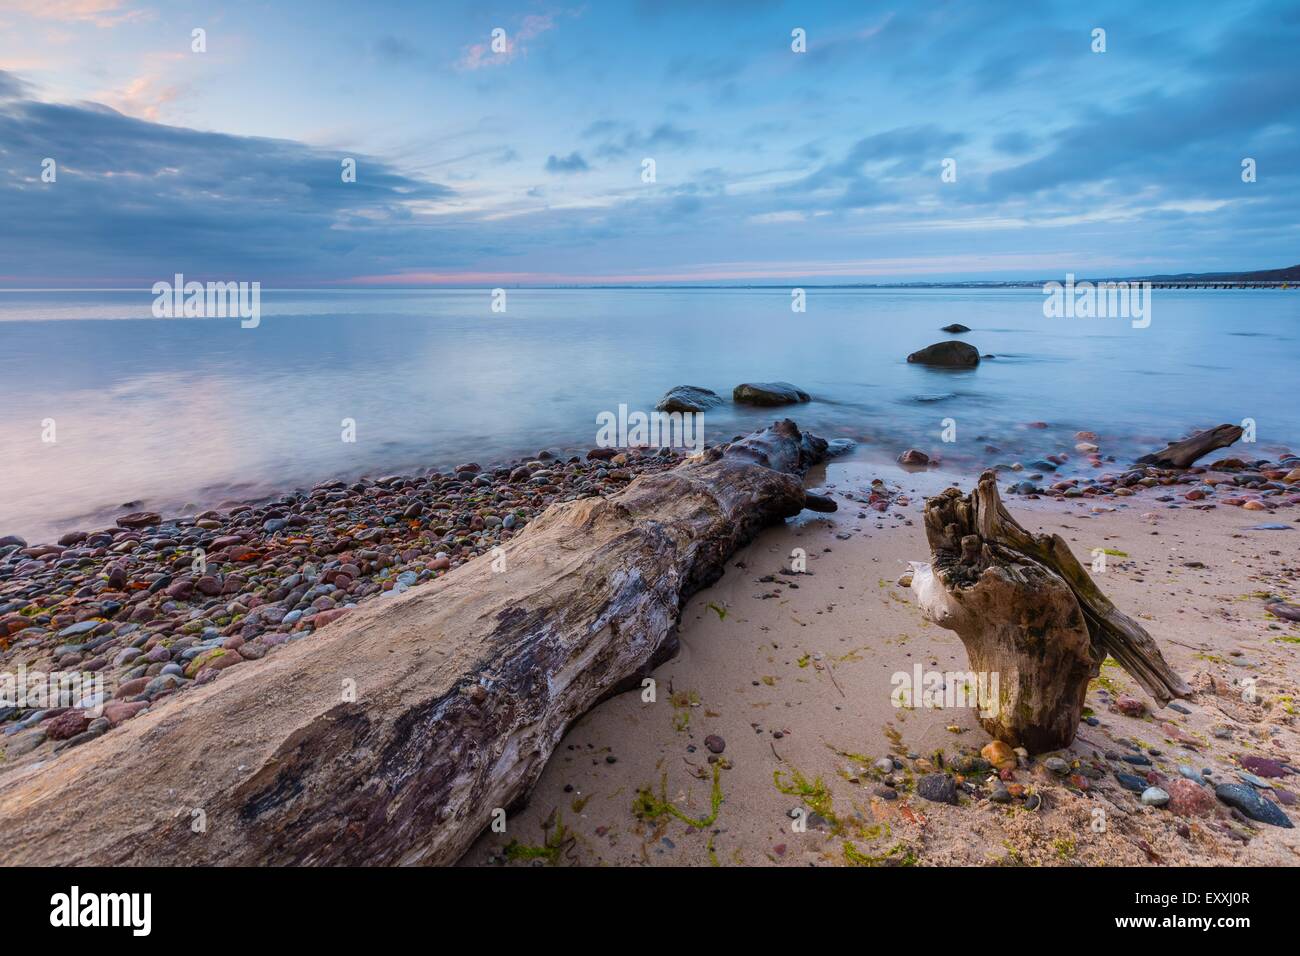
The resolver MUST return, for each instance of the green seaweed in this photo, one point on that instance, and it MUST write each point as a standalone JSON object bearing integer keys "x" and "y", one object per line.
{"x": 900, "y": 854}
{"x": 814, "y": 794}
{"x": 653, "y": 808}
{"x": 682, "y": 701}
{"x": 556, "y": 842}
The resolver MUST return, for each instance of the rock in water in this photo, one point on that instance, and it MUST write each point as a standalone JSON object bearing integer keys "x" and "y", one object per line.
{"x": 937, "y": 787}
{"x": 769, "y": 393}
{"x": 913, "y": 457}
{"x": 1250, "y": 803}
{"x": 955, "y": 328}
{"x": 950, "y": 354}
{"x": 688, "y": 398}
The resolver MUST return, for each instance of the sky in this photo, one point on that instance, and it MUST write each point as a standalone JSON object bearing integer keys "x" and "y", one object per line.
{"x": 914, "y": 141}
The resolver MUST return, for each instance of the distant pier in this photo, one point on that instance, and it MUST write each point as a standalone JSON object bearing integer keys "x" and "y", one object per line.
{"x": 1222, "y": 285}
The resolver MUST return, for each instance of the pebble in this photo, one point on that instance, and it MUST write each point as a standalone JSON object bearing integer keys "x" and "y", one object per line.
{"x": 1154, "y": 797}
{"x": 1189, "y": 799}
{"x": 937, "y": 787}
{"x": 999, "y": 754}
{"x": 1263, "y": 766}
{"x": 1130, "y": 782}
{"x": 1130, "y": 706}
{"x": 1248, "y": 801}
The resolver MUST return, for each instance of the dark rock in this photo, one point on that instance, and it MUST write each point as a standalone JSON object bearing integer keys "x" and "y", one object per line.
{"x": 951, "y": 354}
{"x": 937, "y": 788}
{"x": 1249, "y": 802}
{"x": 955, "y": 328}
{"x": 1130, "y": 782}
{"x": 715, "y": 743}
{"x": 139, "y": 519}
{"x": 769, "y": 393}
{"x": 688, "y": 398}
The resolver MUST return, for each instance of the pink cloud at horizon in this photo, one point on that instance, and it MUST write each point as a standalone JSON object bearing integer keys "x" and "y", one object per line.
{"x": 1038, "y": 264}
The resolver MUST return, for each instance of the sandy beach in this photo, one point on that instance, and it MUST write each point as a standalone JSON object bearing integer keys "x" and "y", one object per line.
{"x": 774, "y": 734}
{"x": 793, "y": 673}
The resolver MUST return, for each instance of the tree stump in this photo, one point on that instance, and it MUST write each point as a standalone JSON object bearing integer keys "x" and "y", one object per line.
{"x": 1029, "y": 613}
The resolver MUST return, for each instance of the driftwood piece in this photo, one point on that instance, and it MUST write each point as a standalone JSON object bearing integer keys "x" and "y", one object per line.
{"x": 1181, "y": 454}
{"x": 463, "y": 688}
{"x": 1029, "y": 613}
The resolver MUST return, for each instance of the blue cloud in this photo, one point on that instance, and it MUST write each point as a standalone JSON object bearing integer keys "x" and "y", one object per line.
{"x": 765, "y": 156}
{"x": 136, "y": 199}
{"x": 573, "y": 163}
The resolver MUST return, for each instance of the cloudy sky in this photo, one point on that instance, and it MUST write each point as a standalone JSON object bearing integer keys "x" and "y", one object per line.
{"x": 525, "y": 163}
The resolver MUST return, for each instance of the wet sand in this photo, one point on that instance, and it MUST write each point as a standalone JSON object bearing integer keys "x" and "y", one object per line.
{"x": 794, "y": 674}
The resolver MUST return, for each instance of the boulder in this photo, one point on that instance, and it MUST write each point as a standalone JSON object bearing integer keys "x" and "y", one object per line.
{"x": 688, "y": 398}
{"x": 955, "y": 328}
{"x": 951, "y": 354}
{"x": 769, "y": 393}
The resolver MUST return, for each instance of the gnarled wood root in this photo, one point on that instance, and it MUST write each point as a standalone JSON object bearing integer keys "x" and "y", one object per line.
{"x": 1030, "y": 614}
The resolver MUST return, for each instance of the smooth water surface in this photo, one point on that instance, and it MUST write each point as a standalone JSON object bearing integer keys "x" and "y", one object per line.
{"x": 174, "y": 411}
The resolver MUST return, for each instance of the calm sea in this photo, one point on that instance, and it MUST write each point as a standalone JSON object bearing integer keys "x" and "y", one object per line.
{"x": 174, "y": 411}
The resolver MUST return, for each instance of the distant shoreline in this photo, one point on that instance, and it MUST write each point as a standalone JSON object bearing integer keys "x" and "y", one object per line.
{"x": 1282, "y": 278}
{"x": 1203, "y": 283}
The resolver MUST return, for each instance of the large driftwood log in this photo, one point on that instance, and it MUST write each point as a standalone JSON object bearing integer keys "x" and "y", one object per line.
{"x": 1181, "y": 454}
{"x": 464, "y": 687}
{"x": 1029, "y": 613}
